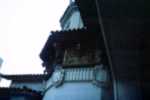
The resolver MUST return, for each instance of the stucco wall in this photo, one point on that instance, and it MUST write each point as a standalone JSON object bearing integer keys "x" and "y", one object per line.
{"x": 74, "y": 21}
{"x": 79, "y": 84}
{"x": 74, "y": 91}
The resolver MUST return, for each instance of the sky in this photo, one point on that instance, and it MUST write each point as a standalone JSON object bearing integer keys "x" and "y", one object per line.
{"x": 24, "y": 28}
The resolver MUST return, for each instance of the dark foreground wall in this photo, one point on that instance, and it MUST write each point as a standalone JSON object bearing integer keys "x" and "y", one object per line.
{"x": 125, "y": 45}
{"x": 126, "y": 28}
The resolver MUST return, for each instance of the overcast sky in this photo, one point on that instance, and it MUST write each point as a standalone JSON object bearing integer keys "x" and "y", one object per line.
{"x": 24, "y": 28}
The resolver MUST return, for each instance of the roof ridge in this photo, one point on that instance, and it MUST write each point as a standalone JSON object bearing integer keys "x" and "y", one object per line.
{"x": 20, "y": 74}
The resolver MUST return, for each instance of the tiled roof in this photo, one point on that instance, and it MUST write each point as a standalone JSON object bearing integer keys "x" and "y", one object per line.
{"x": 68, "y": 38}
{"x": 48, "y": 48}
{"x": 26, "y": 77}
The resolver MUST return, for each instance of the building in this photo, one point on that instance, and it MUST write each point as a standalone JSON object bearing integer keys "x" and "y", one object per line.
{"x": 71, "y": 18}
{"x": 115, "y": 28}
{"x": 19, "y": 94}
{"x": 73, "y": 58}
{"x": 23, "y": 87}
{"x": 34, "y": 82}
{"x": 1, "y": 61}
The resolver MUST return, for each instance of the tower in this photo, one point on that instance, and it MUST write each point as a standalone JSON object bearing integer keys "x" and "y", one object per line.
{"x": 72, "y": 57}
{"x": 71, "y": 1}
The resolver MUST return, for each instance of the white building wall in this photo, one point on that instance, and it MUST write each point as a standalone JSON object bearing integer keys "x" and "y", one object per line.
{"x": 77, "y": 84}
{"x": 74, "y": 21}
{"x": 74, "y": 91}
